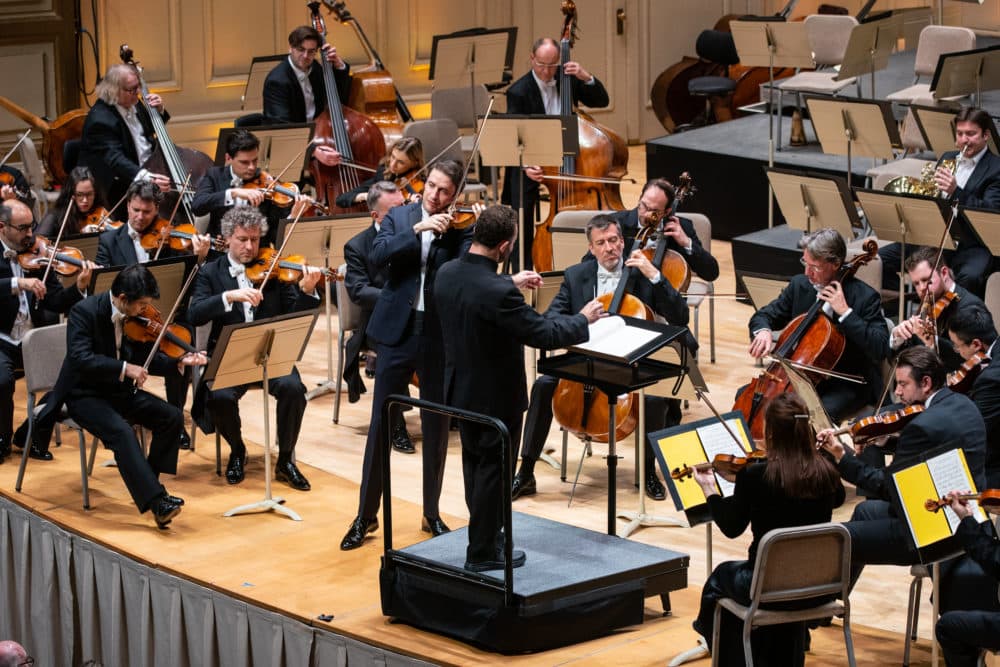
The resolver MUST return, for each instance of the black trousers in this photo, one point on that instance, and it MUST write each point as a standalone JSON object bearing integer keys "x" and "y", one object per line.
{"x": 10, "y": 363}
{"x": 660, "y": 413}
{"x": 483, "y": 472}
{"x": 969, "y": 264}
{"x": 291, "y": 404}
{"x": 422, "y": 354}
{"x": 110, "y": 418}
{"x": 529, "y": 204}
{"x": 963, "y": 635}
{"x": 878, "y": 537}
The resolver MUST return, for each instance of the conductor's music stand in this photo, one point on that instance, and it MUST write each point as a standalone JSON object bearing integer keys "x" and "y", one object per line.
{"x": 857, "y": 127}
{"x": 814, "y": 201}
{"x": 321, "y": 241}
{"x": 279, "y": 145}
{"x": 257, "y": 352}
{"x": 967, "y": 73}
{"x": 508, "y": 141}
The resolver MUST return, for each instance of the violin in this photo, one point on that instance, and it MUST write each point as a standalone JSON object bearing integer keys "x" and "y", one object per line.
{"x": 283, "y": 194}
{"x": 989, "y": 500}
{"x": 411, "y": 184}
{"x": 962, "y": 379}
{"x": 147, "y": 326}
{"x": 884, "y": 423}
{"x": 726, "y": 465}
{"x": 673, "y": 267}
{"x": 65, "y": 261}
{"x": 286, "y": 269}
{"x": 6, "y": 178}
{"x": 179, "y": 238}
{"x": 930, "y": 312}
{"x": 98, "y": 220}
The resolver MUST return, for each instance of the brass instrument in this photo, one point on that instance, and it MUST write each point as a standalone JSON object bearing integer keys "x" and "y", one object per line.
{"x": 924, "y": 185}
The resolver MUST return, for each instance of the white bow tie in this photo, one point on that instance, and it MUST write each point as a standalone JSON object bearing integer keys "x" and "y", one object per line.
{"x": 132, "y": 234}
{"x": 237, "y": 270}
{"x": 118, "y": 317}
{"x": 549, "y": 84}
{"x": 9, "y": 254}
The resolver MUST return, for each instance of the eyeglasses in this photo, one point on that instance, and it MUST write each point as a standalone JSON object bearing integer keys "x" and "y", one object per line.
{"x": 131, "y": 91}
{"x": 305, "y": 52}
{"x": 815, "y": 268}
{"x": 545, "y": 65}
{"x": 83, "y": 195}
{"x": 24, "y": 228}
{"x": 28, "y": 661}
{"x": 655, "y": 211}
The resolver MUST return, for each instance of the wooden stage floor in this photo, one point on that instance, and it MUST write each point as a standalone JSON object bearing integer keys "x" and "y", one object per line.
{"x": 297, "y": 568}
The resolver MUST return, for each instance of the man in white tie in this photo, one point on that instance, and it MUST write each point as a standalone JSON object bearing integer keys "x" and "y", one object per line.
{"x": 118, "y": 136}
{"x": 537, "y": 92}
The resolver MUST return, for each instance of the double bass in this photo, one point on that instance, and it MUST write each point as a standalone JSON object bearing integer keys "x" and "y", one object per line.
{"x": 355, "y": 136}
{"x": 590, "y": 181}
{"x": 810, "y": 339}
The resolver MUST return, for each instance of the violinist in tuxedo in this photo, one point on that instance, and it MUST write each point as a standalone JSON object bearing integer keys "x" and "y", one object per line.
{"x": 21, "y": 294}
{"x": 536, "y": 93}
{"x": 118, "y": 136}
{"x": 222, "y": 294}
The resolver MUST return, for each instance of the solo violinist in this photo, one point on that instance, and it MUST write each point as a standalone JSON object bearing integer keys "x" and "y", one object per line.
{"x": 855, "y": 310}
{"x": 405, "y": 157}
{"x": 22, "y": 292}
{"x": 537, "y": 92}
{"x": 943, "y": 299}
{"x": 118, "y": 135}
{"x": 582, "y": 283}
{"x": 223, "y": 294}
{"x": 972, "y": 333}
{"x": 79, "y": 192}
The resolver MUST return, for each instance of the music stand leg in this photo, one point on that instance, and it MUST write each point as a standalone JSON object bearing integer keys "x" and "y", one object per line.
{"x": 612, "y": 465}
{"x": 902, "y": 278}
{"x": 268, "y": 503}
{"x": 328, "y": 385}
{"x": 579, "y": 467}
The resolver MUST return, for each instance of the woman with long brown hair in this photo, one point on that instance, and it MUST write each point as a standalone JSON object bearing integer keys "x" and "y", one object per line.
{"x": 406, "y": 155}
{"x": 80, "y": 192}
{"x": 795, "y": 486}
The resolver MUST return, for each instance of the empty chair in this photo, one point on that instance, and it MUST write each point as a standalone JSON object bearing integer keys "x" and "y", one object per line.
{"x": 717, "y": 47}
{"x": 934, "y": 41}
{"x": 35, "y": 174}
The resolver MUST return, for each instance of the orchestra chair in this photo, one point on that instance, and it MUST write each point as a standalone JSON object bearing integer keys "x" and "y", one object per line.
{"x": 43, "y": 350}
{"x": 34, "y": 173}
{"x": 716, "y": 47}
{"x": 934, "y": 41}
{"x": 795, "y": 564}
{"x": 201, "y": 334}
{"x": 435, "y": 135}
{"x": 699, "y": 290}
{"x": 828, "y": 37}
{"x": 349, "y": 320}
{"x": 992, "y": 297}
{"x": 71, "y": 154}
{"x": 919, "y": 572}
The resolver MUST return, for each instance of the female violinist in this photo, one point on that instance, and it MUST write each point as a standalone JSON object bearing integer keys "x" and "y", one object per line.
{"x": 80, "y": 192}
{"x": 404, "y": 158}
{"x": 794, "y": 487}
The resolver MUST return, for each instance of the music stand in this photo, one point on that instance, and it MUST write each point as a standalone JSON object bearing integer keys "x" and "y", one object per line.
{"x": 170, "y": 274}
{"x": 987, "y": 225}
{"x": 814, "y": 201}
{"x": 967, "y": 73}
{"x": 321, "y": 241}
{"x": 259, "y": 351}
{"x": 906, "y": 218}
{"x": 869, "y": 47}
{"x": 863, "y": 127}
{"x": 253, "y": 92}
{"x": 615, "y": 377}
{"x": 279, "y": 145}
{"x": 85, "y": 243}
{"x": 937, "y": 127}
{"x": 509, "y": 141}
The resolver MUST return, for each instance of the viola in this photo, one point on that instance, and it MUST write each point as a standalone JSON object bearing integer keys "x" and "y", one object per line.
{"x": 65, "y": 261}
{"x": 962, "y": 379}
{"x": 989, "y": 500}
{"x": 726, "y": 465}
{"x": 884, "y": 423}
{"x": 930, "y": 312}
{"x": 673, "y": 267}
{"x": 287, "y": 269}
{"x": 147, "y": 326}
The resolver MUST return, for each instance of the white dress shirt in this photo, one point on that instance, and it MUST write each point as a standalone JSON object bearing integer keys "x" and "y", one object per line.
{"x": 307, "y": 90}
{"x": 142, "y": 146}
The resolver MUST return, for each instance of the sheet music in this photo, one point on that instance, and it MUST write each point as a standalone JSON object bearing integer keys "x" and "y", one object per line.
{"x": 717, "y": 440}
{"x": 611, "y": 336}
{"x": 948, "y": 474}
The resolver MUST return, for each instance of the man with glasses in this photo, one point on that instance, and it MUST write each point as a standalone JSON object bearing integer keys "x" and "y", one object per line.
{"x": 294, "y": 91}
{"x": 118, "y": 136}
{"x": 13, "y": 654}
{"x": 537, "y": 92}
{"x": 21, "y": 294}
{"x": 854, "y": 308}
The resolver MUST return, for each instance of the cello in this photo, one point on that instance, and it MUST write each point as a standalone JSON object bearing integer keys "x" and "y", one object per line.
{"x": 373, "y": 92}
{"x": 591, "y": 181}
{"x": 810, "y": 339}
{"x": 356, "y": 137}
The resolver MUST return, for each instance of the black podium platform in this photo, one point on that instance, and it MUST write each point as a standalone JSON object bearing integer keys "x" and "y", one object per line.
{"x": 576, "y": 585}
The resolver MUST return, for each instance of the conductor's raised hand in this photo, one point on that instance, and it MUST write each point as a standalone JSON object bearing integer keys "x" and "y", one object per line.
{"x": 527, "y": 280}
{"x": 593, "y": 311}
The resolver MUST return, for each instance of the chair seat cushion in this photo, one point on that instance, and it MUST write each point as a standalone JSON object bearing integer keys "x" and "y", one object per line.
{"x": 711, "y": 85}
{"x": 815, "y": 82}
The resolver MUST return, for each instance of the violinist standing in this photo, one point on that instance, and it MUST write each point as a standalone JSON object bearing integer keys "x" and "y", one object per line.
{"x": 118, "y": 135}
{"x": 105, "y": 379}
{"x": 853, "y": 307}
{"x": 223, "y": 294}
{"x": 934, "y": 288}
{"x": 21, "y": 294}
{"x": 413, "y": 243}
{"x": 972, "y": 332}
{"x": 536, "y": 93}
{"x": 582, "y": 283}
{"x": 878, "y": 535}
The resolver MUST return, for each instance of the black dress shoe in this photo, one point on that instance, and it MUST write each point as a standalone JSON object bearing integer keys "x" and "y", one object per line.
{"x": 286, "y": 472}
{"x": 357, "y": 532}
{"x": 184, "y": 442}
{"x": 654, "y": 489}
{"x": 175, "y": 499}
{"x": 164, "y": 509}
{"x": 434, "y": 526}
{"x": 523, "y": 485}
{"x": 38, "y": 453}
{"x": 370, "y": 365}
{"x": 517, "y": 558}
{"x": 401, "y": 440}
{"x": 236, "y": 468}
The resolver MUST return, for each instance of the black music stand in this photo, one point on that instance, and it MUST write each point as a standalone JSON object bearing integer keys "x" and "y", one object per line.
{"x": 854, "y": 127}
{"x": 615, "y": 376}
{"x": 246, "y": 353}
{"x": 967, "y": 73}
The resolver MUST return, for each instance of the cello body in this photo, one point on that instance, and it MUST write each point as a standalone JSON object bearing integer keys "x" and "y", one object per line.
{"x": 54, "y": 134}
{"x": 373, "y": 94}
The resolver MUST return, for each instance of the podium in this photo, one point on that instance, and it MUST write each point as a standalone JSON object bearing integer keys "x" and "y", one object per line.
{"x": 618, "y": 376}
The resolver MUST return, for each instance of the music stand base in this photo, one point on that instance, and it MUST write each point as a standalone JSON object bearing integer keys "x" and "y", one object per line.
{"x": 322, "y": 389}
{"x": 640, "y": 520}
{"x": 265, "y": 505}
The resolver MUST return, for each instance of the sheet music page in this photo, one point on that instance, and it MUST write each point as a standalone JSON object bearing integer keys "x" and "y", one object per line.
{"x": 717, "y": 440}
{"x": 613, "y": 337}
{"x": 948, "y": 472}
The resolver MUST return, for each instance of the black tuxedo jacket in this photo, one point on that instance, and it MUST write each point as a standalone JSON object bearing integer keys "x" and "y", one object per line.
{"x": 396, "y": 250}
{"x": 108, "y": 150}
{"x": 210, "y": 199}
{"x": 283, "y": 99}
{"x": 485, "y": 324}
{"x": 950, "y": 417}
{"x": 986, "y": 395}
{"x": 214, "y": 278}
{"x": 865, "y": 331}
{"x": 57, "y": 299}
{"x": 700, "y": 260}
{"x": 952, "y": 359}
{"x": 524, "y": 96}
{"x": 982, "y": 190}
{"x": 115, "y": 248}
{"x": 363, "y": 280}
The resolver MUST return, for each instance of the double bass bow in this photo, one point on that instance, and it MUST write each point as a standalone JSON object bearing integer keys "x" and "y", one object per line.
{"x": 355, "y": 136}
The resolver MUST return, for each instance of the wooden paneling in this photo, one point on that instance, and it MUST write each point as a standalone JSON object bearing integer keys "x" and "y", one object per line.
{"x": 152, "y": 30}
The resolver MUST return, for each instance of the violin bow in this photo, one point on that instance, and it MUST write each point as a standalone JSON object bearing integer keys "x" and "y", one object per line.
{"x": 14, "y": 148}
{"x": 277, "y": 254}
{"x": 276, "y": 179}
{"x": 52, "y": 250}
{"x": 170, "y": 318}
{"x": 173, "y": 214}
